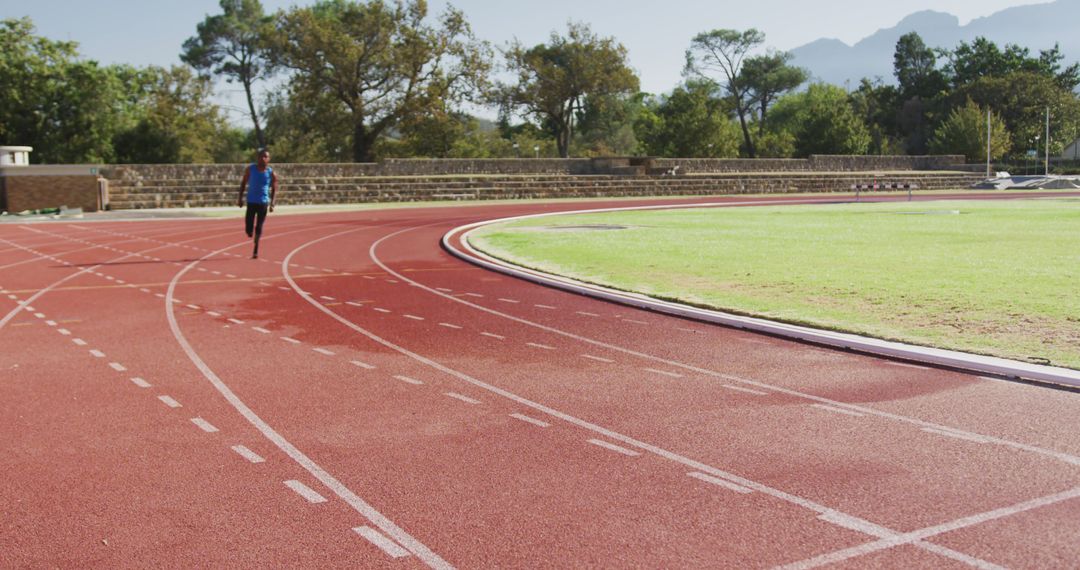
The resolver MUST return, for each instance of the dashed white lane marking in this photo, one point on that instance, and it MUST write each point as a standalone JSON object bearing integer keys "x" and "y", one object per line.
{"x": 97, "y": 353}
{"x": 444, "y": 289}
{"x": 51, "y": 323}
{"x": 391, "y": 548}
{"x": 324, "y": 297}
{"x": 957, "y": 435}
{"x": 110, "y": 278}
{"x": 169, "y": 401}
{"x": 408, "y": 380}
{"x": 905, "y": 365}
{"x": 196, "y": 307}
{"x": 544, "y": 307}
{"x": 720, "y": 482}
{"x": 414, "y": 317}
{"x": 284, "y": 288}
{"x": 363, "y": 365}
{"x": 64, "y": 332}
{"x": 354, "y": 303}
{"x": 597, "y": 358}
{"x": 203, "y": 269}
{"x": 216, "y": 272}
{"x": 230, "y": 276}
{"x": 204, "y": 425}
{"x": 381, "y": 310}
{"x": 388, "y": 280}
{"x": 117, "y": 366}
{"x": 493, "y": 335}
{"x": 140, "y": 382}
{"x": 615, "y": 448}
{"x": 213, "y": 313}
{"x": 836, "y": 410}
{"x": 463, "y": 398}
{"x": 477, "y": 295}
{"x": 664, "y": 373}
{"x": 313, "y": 268}
{"x": 248, "y": 454}
{"x": 747, "y": 390}
{"x": 634, "y": 321}
{"x": 854, "y": 523}
{"x": 533, "y": 421}
{"x": 235, "y": 321}
{"x": 264, "y": 284}
{"x": 260, "y": 329}
{"x": 369, "y": 277}
{"x": 304, "y": 491}
{"x": 159, "y": 295}
{"x": 449, "y": 326}
{"x": 324, "y": 351}
{"x": 541, "y": 346}
{"x": 508, "y": 300}
{"x": 39, "y": 315}
{"x": 144, "y": 289}
{"x": 292, "y": 340}
{"x": 587, "y": 314}
{"x": 29, "y": 309}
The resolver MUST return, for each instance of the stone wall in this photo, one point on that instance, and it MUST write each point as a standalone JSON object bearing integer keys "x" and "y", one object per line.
{"x": 816, "y": 163}
{"x": 39, "y": 187}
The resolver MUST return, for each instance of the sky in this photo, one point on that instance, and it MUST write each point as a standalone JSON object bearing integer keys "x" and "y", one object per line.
{"x": 655, "y": 33}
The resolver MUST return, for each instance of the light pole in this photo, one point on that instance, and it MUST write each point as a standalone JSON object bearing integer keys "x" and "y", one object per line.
{"x": 536, "y": 149}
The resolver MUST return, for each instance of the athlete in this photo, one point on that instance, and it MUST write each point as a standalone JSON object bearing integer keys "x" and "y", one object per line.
{"x": 261, "y": 183}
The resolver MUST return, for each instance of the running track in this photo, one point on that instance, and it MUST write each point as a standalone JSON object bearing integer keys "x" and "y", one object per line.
{"x": 359, "y": 398}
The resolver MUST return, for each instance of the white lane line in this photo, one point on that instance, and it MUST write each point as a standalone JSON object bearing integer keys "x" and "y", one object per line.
{"x": 39, "y": 315}
{"x": 746, "y": 390}
{"x": 363, "y": 365}
{"x": 390, "y": 280}
{"x": 477, "y": 295}
{"x": 463, "y": 398}
{"x": 615, "y": 448}
{"x": 586, "y": 314}
{"x": 236, "y": 321}
{"x": 195, "y": 307}
{"x": 324, "y": 351}
{"x": 544, "y": 307}
{"x": 51, "y": 323}
{"x": 230, "y": 276}
{"x": 508, "y": 300}
{"x": 110, "y": 278}
{"x": 856, "y": 524}
{"x": 449, "y": 326}
{"x": 324, "y": 297}
{"x": 248, "y": 454}
{"x": 97, "y": 353}
{"x": 159, "y": 295}
{"x": 140, "y": 382}
{"x": 414, "y": 317}
{"x": 260, "y": 329}
{"x": 292, "y": 340}
{"x": 597, "y": 358}
{"x": 633, "y": 321}
{"x": 957, "y": 435}
{"x": 381, "y": 310}
{"x": 29, "y": 309}
{"x": 144, "y": 289}
{"x": 121, "y": 281}
{"x": 533, "y": 421}
{"x": 720, "y": 482}
{"x": 408, "y": 380}
{"x": 216, "y": 272}
{"x": 354, "y": 303}
{"x": 541, "y": 346}
{"x": 444, "y": 289}
{"x": 117, "y": 366}
{"x": 64, "y": 332}
{"x": 284, "y": 288}
{"x": 311, "y": 267}
{"x": 493, "y": 335}
{"x": 204, "y": 425}
{"x": 664, "y": 373}
{"x": 369, "y": 277}
{"x": 213, "y": 313}
{"x": 304, "y": 491}
{"x": 169, "y": 401}
{"x": 264, "y": 284}
{"x": 905, "y": 365}
{"x": 836, "y": 410}
{"x": 391, "y": 548}
{"x": 203, "y": 269}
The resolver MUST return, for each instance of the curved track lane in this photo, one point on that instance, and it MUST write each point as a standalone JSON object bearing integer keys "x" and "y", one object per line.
{"x": 358, "y": 397}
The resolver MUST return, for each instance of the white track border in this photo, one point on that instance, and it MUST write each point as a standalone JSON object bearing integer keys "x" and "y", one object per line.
{"x": 935, "y": 356}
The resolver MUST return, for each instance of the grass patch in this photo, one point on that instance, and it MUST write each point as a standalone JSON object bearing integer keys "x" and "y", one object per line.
{"x": 997, "y": 278}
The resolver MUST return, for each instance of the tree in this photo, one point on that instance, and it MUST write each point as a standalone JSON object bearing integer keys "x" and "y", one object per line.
{"x": 875, "y": 103}
{"x": 380, "y": 61}
{"x": 822, "y": 121}
{"x": 964, "y": 132}
{"x": 690, "y": 122}
{"x": 232, "y": 44}
{"x": 982, "y": 58}
{"x": 606, "y": 125}
{"x": 717, "y": 57}
{"x": 555, "y": 80}
{"x": 767, "y": 77}
{"x": 915, "y": 67}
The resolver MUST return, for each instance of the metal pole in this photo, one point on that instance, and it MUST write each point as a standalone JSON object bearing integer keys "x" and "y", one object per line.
{"x": 988, "y": 143}
{"x": 1047, "y": 168}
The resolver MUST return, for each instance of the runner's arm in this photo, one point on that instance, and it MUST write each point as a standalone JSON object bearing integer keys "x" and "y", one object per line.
{"x": 273, "y": 189}
{"x": 243, "y": 185}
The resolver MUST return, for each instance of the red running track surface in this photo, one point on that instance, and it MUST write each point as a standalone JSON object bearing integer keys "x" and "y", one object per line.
{"x": 359, "y": 398}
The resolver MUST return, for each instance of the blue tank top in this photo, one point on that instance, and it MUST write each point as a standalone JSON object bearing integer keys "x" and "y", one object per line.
{"x": 259, "y": 185}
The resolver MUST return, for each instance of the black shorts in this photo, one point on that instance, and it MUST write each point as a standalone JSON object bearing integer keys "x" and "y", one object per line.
{"x": 255, "y": 211}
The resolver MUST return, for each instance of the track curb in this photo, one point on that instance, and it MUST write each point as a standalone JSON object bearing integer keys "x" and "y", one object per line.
{"x": 919, "y": 354}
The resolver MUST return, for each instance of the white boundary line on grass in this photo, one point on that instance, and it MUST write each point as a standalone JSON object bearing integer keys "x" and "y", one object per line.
{"x": 940, "y": 357}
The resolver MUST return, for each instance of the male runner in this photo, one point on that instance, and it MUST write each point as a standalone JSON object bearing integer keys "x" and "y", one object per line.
{"x": 261, "y": 185}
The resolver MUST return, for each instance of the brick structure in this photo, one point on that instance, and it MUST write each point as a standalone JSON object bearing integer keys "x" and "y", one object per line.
{"x": 38, "y": 187}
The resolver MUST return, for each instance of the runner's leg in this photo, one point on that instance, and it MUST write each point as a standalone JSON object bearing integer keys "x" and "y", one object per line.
{"x": 249, "y": 219}
{"x": 261, "y": 211}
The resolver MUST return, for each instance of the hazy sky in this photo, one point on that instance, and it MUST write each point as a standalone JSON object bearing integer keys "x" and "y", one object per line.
{"x": 656, "y": 33}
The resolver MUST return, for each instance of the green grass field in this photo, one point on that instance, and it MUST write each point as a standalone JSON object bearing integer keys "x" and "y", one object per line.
{"x": 997, "y": 278}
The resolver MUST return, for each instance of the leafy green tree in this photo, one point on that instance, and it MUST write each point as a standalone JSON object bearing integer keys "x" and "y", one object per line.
{"x": 233, "y": 44}
{"x": 382, "y": 62}
{"x": 875, "y": 103}
{"x": 982, "y": 58}
{"x": 821, "y": 121}
{"x": 693, "y": 122}
{"x": 555, "y": 80}
{"x": 718, "y": 57}
{"x": 769, "y": 76}
{"x": 964, "y": 132}
{"x": 606, "y": 126}
{"x": 915, "y": 67}
{"x": 310, "y": 128}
